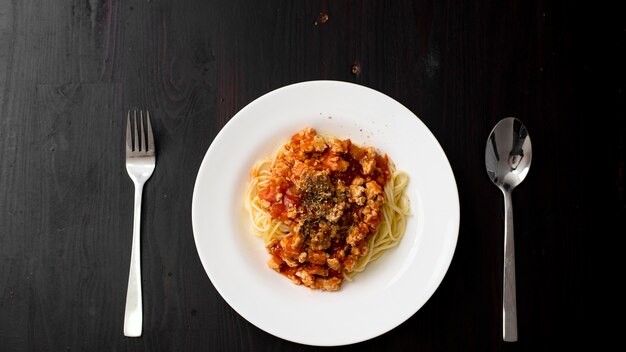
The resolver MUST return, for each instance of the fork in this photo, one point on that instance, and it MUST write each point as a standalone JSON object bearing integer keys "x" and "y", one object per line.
{"x": 140, "y": 163}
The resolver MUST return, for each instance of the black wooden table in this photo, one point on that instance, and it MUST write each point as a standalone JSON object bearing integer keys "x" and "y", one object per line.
{"x": 69, "y": 70}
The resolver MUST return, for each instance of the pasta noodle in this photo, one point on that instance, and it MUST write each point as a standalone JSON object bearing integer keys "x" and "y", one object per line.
{"x": 343, "y": 250}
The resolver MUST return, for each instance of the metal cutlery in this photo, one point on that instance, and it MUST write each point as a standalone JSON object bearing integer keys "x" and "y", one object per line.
{"x": 508, "y": 154}
{"x": 140, "y": 163}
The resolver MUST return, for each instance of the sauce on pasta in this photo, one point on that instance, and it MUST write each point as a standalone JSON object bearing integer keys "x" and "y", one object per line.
{"x": 319, "y": 205}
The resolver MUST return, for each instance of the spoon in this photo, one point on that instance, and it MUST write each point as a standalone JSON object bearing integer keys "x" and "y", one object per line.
{"x": 507, "y": 156}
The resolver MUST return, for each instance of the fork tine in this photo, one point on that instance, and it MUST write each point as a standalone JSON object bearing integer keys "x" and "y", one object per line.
{"x": 150, "y": 141}
{"x": 137, "y": 143}
{"x": 129, "y": 141}
{"x": 142, "y": 133}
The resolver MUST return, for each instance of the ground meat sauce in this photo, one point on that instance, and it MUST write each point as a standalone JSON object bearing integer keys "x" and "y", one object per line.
{"x": 329, "y": 192}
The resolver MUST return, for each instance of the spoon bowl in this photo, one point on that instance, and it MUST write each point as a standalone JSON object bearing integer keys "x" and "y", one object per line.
{"x": 508, "y": 154}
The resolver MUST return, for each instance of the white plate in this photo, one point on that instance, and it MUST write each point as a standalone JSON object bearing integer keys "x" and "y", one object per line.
{"x": 391, "y": 289}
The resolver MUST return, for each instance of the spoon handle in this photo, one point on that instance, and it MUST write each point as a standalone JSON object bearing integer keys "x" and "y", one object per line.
{"x": 509, "y": 305}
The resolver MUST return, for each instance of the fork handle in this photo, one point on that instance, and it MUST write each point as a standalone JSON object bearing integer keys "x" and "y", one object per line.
{"x": 133, "y": 316}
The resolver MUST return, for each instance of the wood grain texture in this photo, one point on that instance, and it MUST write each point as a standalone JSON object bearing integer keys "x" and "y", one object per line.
{"x": 70, "y": 69}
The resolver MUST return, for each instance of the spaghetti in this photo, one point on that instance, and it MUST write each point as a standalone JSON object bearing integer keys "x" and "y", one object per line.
{"x": 325, "y": 208}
